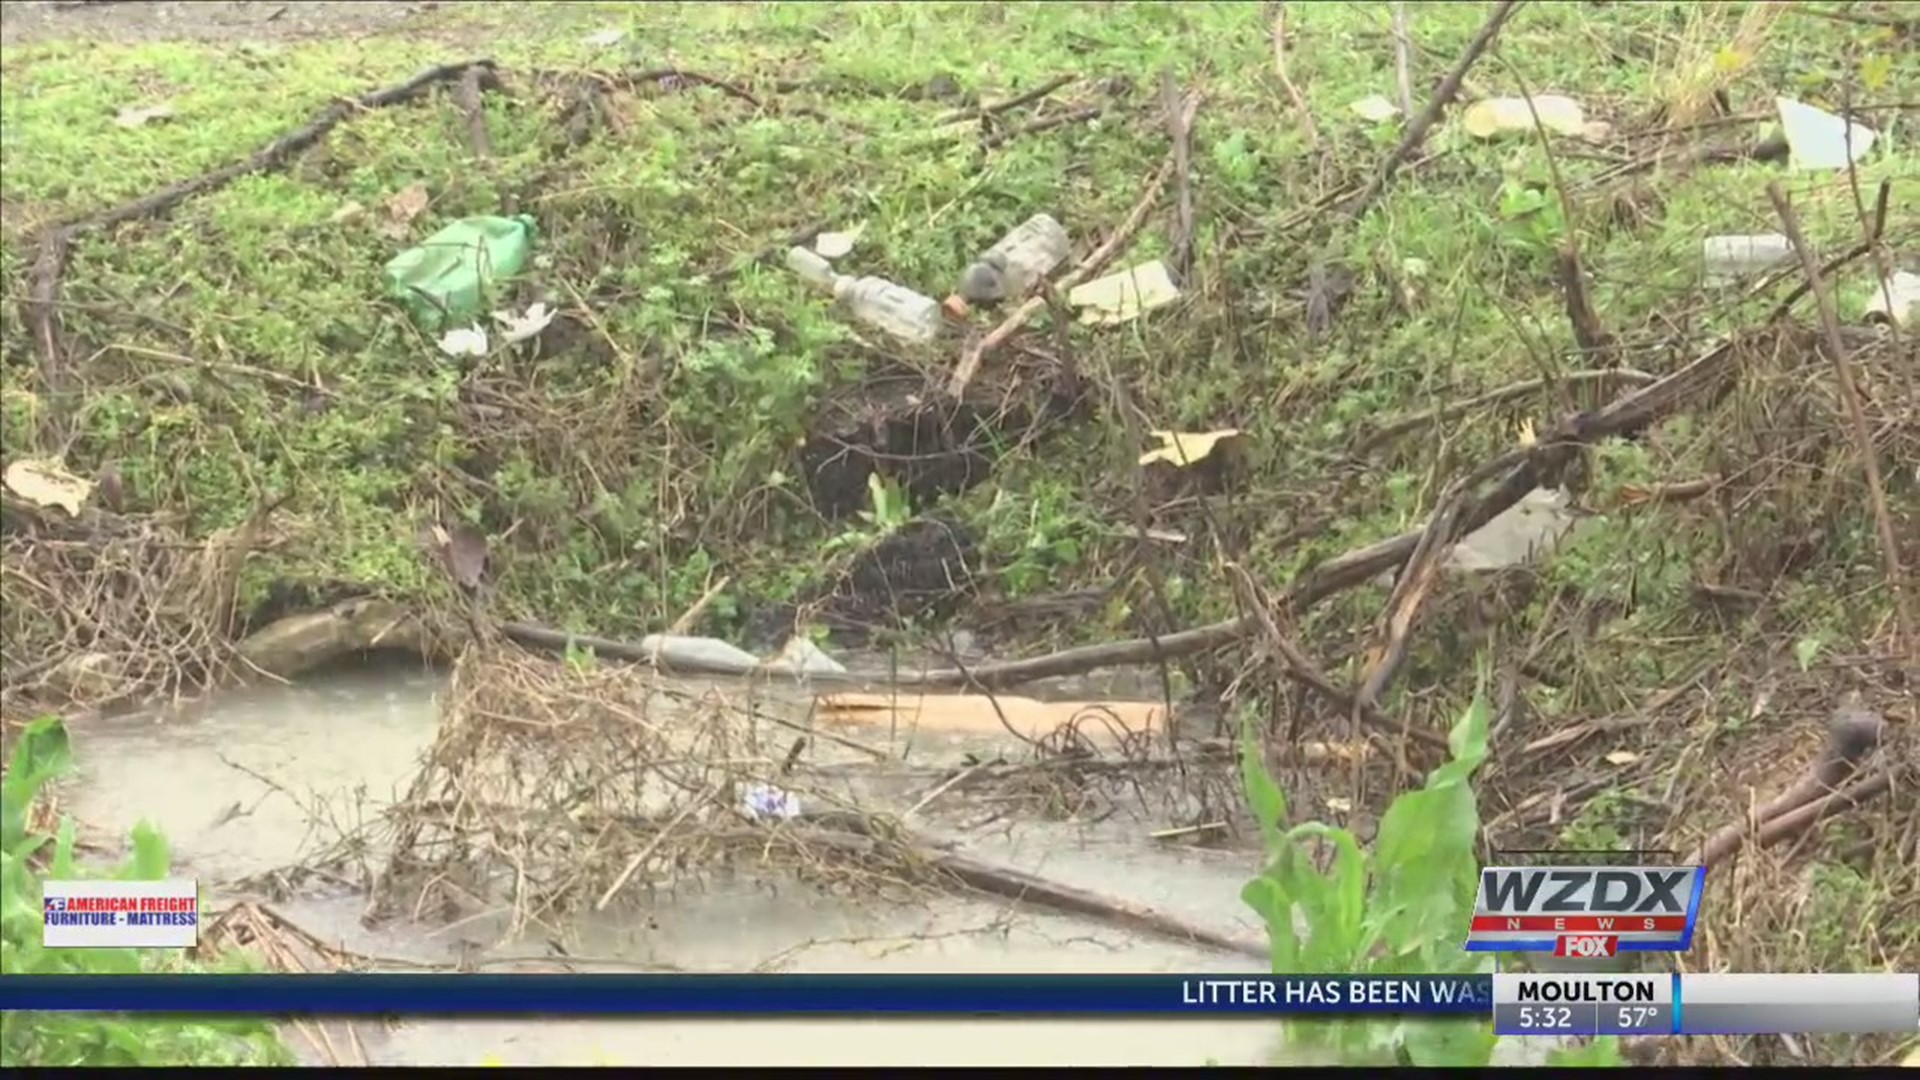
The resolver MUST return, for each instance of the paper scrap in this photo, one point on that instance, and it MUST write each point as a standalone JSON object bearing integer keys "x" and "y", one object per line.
{"x": 1125, "y": 296}
{"x": 1504, "y": 116}
{"x": 1101, "y": 721}
{"x": 1375, "y": 107}
{"x": 1183, "y": 448}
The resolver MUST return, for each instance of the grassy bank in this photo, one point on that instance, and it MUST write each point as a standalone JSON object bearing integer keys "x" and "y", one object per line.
{"x": 1725, "y": 587}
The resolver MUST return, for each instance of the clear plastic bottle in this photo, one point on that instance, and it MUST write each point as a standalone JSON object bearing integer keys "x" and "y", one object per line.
{"x": 1021, "y": 258}
{"x": 894, "y": 308}
{"x": 812, "y": 268}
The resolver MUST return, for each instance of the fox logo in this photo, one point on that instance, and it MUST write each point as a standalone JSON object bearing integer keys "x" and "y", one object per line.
{"x": 1586, "y": 946}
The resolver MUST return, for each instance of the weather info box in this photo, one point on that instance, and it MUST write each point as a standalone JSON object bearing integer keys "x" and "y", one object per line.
{"x": 121, "y": 914}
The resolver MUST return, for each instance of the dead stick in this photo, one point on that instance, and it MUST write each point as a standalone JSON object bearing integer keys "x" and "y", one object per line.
{"x": 1045, "y": 123}
{"x": 1277, "y": 31}
{"x": 1494, "y": 397}
{"x": 1403, "y": 57}
{"x": 687, "y": 618}
{"x": 1181, "y": 133}
{"x": 1852, "y": 734}
{"x": 1856, "y": 419}
{"x": 1443, "y": 96}
{"x": 1011, "y": 103}
{"x": 467, "y": 93}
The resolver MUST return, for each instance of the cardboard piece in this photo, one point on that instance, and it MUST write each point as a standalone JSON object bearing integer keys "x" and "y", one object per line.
{"x": 974, "y": 714}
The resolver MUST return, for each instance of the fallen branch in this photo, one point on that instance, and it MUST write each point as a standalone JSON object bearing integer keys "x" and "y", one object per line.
{"x": 857, "y": 834}
{"x": 1853, "y": 733}
{"x": 1301, "y": 669}
{"x": 1439, "y": 413}
{"x": 1277, "y": 32}
{"x": 56, "y": 244}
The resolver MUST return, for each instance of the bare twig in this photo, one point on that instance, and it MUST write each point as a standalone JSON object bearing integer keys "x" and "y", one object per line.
{"x": 692, "y": 615}
{"x": 1403, "y": 57}
{"x": 1853, "y": 734}
{"x": 1045, "y": 123}
{"x": 1277, "y": 31}
{"x": 1843, "y": 377}
{"x": 1419, "y": 125}
{"x": 1011, "y": 103}
{"x": 467, "y": 92}
{"x": 1443, "y": 95}
{"x": 1180, "y": 130}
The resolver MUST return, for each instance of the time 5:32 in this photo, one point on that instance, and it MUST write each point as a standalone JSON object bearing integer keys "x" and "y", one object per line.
{"x": 1546, "y": 1017}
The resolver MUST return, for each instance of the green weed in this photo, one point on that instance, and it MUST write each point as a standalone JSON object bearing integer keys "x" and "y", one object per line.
{"x": 1401, "y": 907}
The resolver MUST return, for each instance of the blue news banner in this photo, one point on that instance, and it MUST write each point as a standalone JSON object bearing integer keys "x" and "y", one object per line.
{"x": 969, "y": 995}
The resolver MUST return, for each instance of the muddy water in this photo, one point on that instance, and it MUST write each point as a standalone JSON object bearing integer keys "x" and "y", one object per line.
{"x": 239, "y": 785}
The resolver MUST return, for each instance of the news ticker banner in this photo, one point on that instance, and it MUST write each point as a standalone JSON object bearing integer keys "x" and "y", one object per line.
{"x": 1558, "y": 1004}
{"x": 1706, "y": 1004}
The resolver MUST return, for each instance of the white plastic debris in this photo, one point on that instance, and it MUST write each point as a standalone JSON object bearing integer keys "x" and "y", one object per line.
{"x": 1376, "y": 108}
{"x": 712, "y": 654}
{"x": 1125, "y": 296}
{"x": 603, "y": 38}
{"x": 521, "y": 327}
{"x": 765, "y": 802}
{"x": 1817, "y": 139}
{"x": 803, "y": 658}
{"x": 1494, "y": 117}
{"x": 1896, "y": 299}
{"x": 1728, "y": 257}
{"x": 464, "y": 341}
{"x": 142, "y": 116}
{"x": 1530, "y": 527}
{"x": 838, "y": 245}
{"x": 48, "y": 483}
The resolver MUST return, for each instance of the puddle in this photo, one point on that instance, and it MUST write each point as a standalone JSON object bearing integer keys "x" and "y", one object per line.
{"x": 347, "y": 744}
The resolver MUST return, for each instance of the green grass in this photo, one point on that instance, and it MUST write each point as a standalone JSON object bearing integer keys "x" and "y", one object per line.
{"x": 629, "y": 460}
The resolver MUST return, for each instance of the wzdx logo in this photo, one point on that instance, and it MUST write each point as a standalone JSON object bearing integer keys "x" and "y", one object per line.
{"x": 1586, "y": 911}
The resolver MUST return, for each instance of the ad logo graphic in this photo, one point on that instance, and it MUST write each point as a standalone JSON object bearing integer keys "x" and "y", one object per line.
{"x": 1586, "y": 911}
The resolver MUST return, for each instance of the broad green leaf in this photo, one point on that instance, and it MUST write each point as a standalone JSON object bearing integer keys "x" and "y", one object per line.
{"x": 62, "y": 868}
{"x": 151, "y": 857}
{"x": 1426, "y": 858}
{"x": 42, "y": 754}
{"x": 1268, "y": 802}
{"x": 1266, "y": 898}
{"x": 1333, "y": 903}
